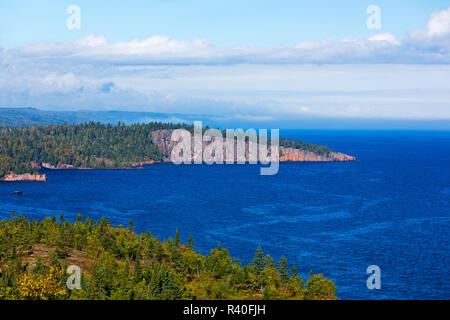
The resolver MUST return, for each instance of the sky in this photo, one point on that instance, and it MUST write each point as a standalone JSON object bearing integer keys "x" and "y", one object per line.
{"x": 254, "y": 60}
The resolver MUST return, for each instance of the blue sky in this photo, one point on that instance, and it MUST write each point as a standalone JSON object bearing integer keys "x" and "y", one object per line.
{"x": 226, "y": 23}
{"x": 255, "y": 60}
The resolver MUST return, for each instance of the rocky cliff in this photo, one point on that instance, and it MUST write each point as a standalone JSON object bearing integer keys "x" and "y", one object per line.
{"x": 296, "y": 155}
{"x": 162, "y": 138}
{"x": 12, "y": 177}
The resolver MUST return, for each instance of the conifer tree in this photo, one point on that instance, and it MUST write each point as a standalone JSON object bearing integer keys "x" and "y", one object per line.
{"x": 190, "y": 243}
{"x": 294, "y": 271}
{"x": 177, "y": 239}
{"x": 137, "y": 269}
{"x": 283, "y": 269}
{"x": 258, "y": 261}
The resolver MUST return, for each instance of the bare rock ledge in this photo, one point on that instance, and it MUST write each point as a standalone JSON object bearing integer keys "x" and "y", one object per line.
{"x": 12, "y": 177}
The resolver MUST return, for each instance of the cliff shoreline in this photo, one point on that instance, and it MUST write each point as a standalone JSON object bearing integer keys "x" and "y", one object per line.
{"x": 293, "y": 155}
{"x": 162, "y": 140}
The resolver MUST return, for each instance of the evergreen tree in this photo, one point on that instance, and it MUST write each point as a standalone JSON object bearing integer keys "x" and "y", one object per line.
{"x": 54, "y": 261}
{"x": 170, "y": 272}
{"x": 258, "y": 261}
{"x": 190, "y": 243}
{"x": 131, "y": 226}
{"x": 294, "y": 271}
{"x": 177, "y": 239}
{"x": 283, "y": 269}
{"x": 138, "y": 269}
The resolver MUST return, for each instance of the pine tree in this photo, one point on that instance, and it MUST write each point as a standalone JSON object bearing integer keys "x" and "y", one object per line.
{"x": 294, "y": 271}
{"x": 258, "y": 261}
{"x": 54, "y": 261}
{"x": 177, "y": 239}
{"x": 137, "y": 269}
{"x": 190, "y": 243}
{"x": 283, "y": 269}
{"x": 39, "y": 267}
{"x": 131, "y": 226}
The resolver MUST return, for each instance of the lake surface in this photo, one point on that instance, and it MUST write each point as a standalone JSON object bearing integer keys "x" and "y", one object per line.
{"x": 390, "y": 208}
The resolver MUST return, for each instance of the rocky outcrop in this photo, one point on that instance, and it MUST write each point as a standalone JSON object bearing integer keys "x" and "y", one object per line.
{"x": 64, "y": 166}
{"x": 162, "y": 138}
{"x": 58, "y": 166}
{"x": 296, "y": 155}
{"x": 48, "y": 166}
{"x": 141, "y": 164}
{"x": 35, "y": 165}
{"x": 12, "y": 177}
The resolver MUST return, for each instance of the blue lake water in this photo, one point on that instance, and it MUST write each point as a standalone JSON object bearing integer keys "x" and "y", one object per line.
{"x": 390, "y": 208}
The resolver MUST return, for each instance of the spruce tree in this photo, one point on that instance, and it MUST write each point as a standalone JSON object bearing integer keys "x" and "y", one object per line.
{"x": 294, "y": 271}
{"x": 283, "y": 269}
{"x": 190, "y": 243}
{"x": 137, "y": 269}
{"x": 177, "y": 239}
{"x": 258, "y": 261}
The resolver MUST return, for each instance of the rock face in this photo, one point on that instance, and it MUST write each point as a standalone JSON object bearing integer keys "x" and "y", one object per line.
{"x": 64, "y": 166}
{"x": 141, "y": 164}
{"x": 162, "y": 138}
{"x": 296, "y": 155}
{"x": 47, "y": 166}
{"x": 12, "y": 177}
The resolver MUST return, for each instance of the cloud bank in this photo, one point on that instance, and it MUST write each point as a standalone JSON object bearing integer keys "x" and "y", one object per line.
{"x": 169, "y": 75}
{"x": 430, "y": 45}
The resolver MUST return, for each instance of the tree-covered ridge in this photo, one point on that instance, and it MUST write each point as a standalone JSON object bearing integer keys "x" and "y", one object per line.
{"x": 300, "y": 145}
{"x": 92, "y": 145}
{"x": 117, "y": 263}
{"x": 88, "y": 145}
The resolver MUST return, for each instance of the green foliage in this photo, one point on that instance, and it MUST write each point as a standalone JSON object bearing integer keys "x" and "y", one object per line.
{"x": 88, "y": 145}
{"x": 117, "y": 263}
{"x": 92, "y": 145}
{"x": 297, "y": 144}
{"x": 283, "y": 269}
{"x": 258, "y": 261}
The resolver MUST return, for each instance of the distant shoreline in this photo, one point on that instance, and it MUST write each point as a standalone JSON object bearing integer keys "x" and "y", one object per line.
{"x": 42, "y": 177}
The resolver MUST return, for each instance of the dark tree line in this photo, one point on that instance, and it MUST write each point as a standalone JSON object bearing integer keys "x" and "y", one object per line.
{"x": 92, "y": 145}
{"x": 88, "y": 145}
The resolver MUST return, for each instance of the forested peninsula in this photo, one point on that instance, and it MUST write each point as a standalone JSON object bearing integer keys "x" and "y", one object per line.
{"x": 25, "y": 150}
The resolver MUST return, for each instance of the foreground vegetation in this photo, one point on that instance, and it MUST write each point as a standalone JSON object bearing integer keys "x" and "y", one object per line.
{"x": 117, "y": 263}
{"x": 91, "y": 145}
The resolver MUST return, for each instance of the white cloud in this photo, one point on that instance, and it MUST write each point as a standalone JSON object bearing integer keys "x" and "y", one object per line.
{"x": 92, "y": 40}
{"x": 63, "y": 83}
{"x": 388, "y": 37}
{"x": 439, "y": 23}
{"x": 430, "y": 45}
{"x": 161, "y": 50}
